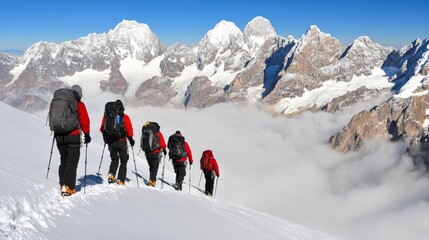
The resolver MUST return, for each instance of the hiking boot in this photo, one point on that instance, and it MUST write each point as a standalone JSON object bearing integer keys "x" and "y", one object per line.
{"x": 111, "y": 178}
{"x": 151, "y": 183}
{"x": 119, "y": 182}
{"x": 66, "y": 191}
{"x": 178, "y": 186}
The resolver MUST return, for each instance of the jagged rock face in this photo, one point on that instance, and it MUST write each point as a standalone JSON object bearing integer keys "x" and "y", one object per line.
{"x": 315, "y": 50}
{"x": 176, "y": 58}
{"x": 116, "y": 83}
{"x": 201, "y": 93}
{"x": 392, "y": 120}
{"x": 156, "y": 91}
{"x": 308, "y": 64}
{"x": 223, "y": 45}
{"x": 7, "y": 63}
{"x": 257, "y": 32}
{"x": 262, "y": 70}
{"x": 348, "y": 99}
{"x": 410, "y": 60}
{"x": 361, "y": 57}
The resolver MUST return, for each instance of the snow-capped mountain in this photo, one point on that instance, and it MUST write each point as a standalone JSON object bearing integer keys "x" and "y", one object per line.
{"x": 257, "y": 32}
{"x": 47, "y": 66}
{"x": 288, "y": 76}
{"x": 224, "y": 44}
{"x": 254, "y": 66}
{"x": 404, "y": 116}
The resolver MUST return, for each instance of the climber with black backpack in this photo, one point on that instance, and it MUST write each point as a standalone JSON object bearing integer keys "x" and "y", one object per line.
{"x": 117, "y": 128}
{"x": 179, "y": 151}
{"x": 152, "y": 143}
{"x": 68, "y": 117}
{"x": 208, "y": 165}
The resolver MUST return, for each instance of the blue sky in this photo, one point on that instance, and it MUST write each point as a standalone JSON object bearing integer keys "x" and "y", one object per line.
{"x": 390, "y": 23}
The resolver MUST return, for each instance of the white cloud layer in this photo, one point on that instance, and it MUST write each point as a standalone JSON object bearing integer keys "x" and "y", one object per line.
{"x": 284, "y": 166}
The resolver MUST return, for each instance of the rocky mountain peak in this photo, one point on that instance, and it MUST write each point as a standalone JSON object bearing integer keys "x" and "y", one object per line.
{"x": 133, "y": 39}
{"x": 222, "y": 33}
{"x": 314, "y": 34}
{"x": 365, "y": 52}
{"x": 313, "y": 30}
{"x": 223, "y": 44}
{"x": 314, "y": 50}
{"x": 126, "y": 26}
{"x": 257, "y": 32}
{"x": 39, "y": 49}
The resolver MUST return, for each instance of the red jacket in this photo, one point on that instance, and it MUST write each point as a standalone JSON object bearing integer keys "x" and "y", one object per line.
{"x": 213, "y": 162}
{"x": 83, "y": 116}
{"x": 127, "y": 124}
{"x": 162, "y": 144}
{"x": 188, "y": 153}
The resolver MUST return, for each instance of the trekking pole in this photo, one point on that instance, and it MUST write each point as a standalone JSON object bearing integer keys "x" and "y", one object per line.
{"x": 86, "y": 161}
{"x": 50, "y": 157}
{"x": 200, "y": 179}
{"x": 214, "y": 195}
{"x": 190, "y": 168}
{"x": 163, "y": 172}
{"x": 101, "y": 160}
{"x": 135, "y": 166}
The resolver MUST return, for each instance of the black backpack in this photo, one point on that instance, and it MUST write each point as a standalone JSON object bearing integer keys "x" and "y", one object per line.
{"x": 63, "y": 113}
{"x": 114, "y": 127}
{"x": 150, "y": 139}
{"x": 176, "y": 147}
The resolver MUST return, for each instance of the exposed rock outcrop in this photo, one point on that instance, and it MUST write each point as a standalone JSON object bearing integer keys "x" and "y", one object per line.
{"x": 156, "y": 91}
{"x": 392, "y": 120}
{"x": 201, "y": 93}
{"x": 176, "y": 58}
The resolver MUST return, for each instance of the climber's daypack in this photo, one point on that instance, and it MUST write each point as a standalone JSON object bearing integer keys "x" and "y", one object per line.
{"x": 63, "y": 113}
{"x": 205, "y": 161}
{"x": 150, "y": 139}
{"x": 176, "y": 146}
{"x": 114, "y": 127}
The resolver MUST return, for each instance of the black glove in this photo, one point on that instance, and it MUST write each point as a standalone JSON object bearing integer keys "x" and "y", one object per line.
{"x": 132, "y": 142}
{"x": 87, "y": 138}
{"x": 190, "y": 163}
{"x": 165, "y": 151}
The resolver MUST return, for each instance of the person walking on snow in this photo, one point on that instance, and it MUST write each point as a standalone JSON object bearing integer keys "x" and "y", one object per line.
{"x": 152, "y": 143}
{"x": 179, "y": 152}
{"x": 69, "y": 143}
{"x": 116, "y": 128}
{"x": 210, "y": 169}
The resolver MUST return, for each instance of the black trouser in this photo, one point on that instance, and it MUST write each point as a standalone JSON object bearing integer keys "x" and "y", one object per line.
{"x": 180, "y": 170}
{"x": 153, "y": 161}
{"x": 69, "y": 148}
{"x": 210, "y": 179}
{"x": 119, "y": 150}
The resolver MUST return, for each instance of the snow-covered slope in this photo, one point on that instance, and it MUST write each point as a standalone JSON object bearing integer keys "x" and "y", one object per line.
{"x": 32, "y": 209}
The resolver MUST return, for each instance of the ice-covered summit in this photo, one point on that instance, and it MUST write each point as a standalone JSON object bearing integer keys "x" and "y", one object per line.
{"x": 222, "y": 33}
{"x": 136, "y": 40}
{"x": 223, "y": 44}
{"x": 257, "y": 32}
